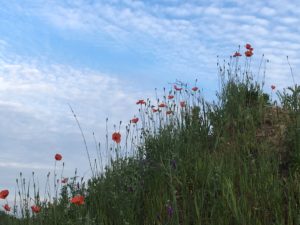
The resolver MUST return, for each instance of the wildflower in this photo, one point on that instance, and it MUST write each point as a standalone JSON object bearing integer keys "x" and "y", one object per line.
{"x": 162, "y": 105}
{"x": 273, "y": 87}
{"x": 154, "y": 110}
{"x": 4, "y": 194}
{"x": 58, "y": 157}
{"x": 248, "y": 53}
{"x": 134, "y": 120}
{"x": 237, "y": 54}
{"x": 177, "y": 88}
{"x": 6, "y": 207}
{"x": 169, "y": 112}
{"x": 170, "y": 210}
{"x": 130, "y": 189}
{"x": 170, "y": 96}
{"x": 173, "y": 163}
{"x": 77, "y": 200}
{"x": 182, "y": 104}
{"x": 35, "y": 209}
{"x": 116, "y": 136}
{"x": 64, "y": 180}
{"x": 195, "y": 88}
{"x": 248, "y": 46}
{"x": 140, "y": 102}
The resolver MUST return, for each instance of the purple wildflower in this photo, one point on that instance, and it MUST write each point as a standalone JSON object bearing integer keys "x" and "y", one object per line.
{"x": 173, "y": 164}
{"x": 170, "y": 210}
{"x": 130, "y": 189}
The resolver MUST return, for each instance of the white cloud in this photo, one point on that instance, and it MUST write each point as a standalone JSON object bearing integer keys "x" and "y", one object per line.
{"x": 20, "y": 166}
{"x": 186, "y": 37}
{"x": 267, "y": 11}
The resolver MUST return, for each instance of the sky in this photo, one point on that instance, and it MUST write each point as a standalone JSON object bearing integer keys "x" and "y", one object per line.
{"x": 101, "y": 56}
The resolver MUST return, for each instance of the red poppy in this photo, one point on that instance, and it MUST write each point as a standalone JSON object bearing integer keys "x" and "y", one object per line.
{"x": 248, "y": 46}
{"x": 237, "y": 54}
{"x": 195, "y": 88}
{"x": 64, "y": 180}
{"x": 248, "y": 53}
{"x": 182, "y": 104}
{"x": 77, "y": 200}
{"x": 116, "y": 136}
{"x": 154, "y": 110}
{"x": 177, "y": 88}
{"x": 170, "y": 96}
{"x": 169, "y": 112}
{"x": 4, "y": 194}
{"x": 140, "y": 102}
{"x": 273, "y": 87}
{"x": 58, "y": 157}
{"x": 6, "y": 207}
{"x": 134, "y": 120}
{"x": 162, "y": 105}
{"x": 35, "y": 209}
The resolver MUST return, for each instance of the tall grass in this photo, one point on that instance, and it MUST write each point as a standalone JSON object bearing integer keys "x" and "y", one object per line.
{"x": 231, "y": 161}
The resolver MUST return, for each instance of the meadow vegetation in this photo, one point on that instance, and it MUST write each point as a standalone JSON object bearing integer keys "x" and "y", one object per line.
{"x": 184, "y": 160}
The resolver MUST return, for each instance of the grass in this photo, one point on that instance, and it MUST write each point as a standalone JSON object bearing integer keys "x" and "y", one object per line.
{"x": 232, "y": 161}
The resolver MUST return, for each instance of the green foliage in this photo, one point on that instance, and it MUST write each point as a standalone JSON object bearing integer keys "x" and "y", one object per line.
{"x": 291, "y": 103}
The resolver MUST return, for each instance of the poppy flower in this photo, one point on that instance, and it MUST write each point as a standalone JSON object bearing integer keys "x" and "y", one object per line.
{"x": 4, "y": 194}
{"x": 248, "y": 53}
{"x": 134, "y": 120}
{"x": 58, "y": 157}
{"x": 195, "y": 88}
{"x": 248, "y": 46}
{"x": 35, "y": 209}
{"x": 64, "y": 180}
{"x": 182, "y": 104}
{"x": 6, "y": 207}
{"x": 177, "y": 88}
{"x": 162, "y": 105}
{"x": 273, "y": 87}
{"x": 154, "y": 110}
{"x": 116, "y": 136}
{"x": 140, "y": 102}
{"x": 169, "y": 112}
{"x": 77, "y": 200}
{"x": 170, "y": 96}
{"x": 237, "y": 54}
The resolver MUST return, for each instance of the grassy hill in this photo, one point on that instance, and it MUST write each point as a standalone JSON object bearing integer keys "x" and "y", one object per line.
{"x": 232, "y": 161}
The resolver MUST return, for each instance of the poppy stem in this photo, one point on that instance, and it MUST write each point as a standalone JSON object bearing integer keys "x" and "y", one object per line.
{"x": 84, "y": 140}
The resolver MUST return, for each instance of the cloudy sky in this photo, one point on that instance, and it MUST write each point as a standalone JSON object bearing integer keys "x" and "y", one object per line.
{"x": 100, "y": 56}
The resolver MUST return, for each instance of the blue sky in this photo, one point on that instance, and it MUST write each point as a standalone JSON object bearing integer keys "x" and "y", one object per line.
{"x": 101, "y": 56}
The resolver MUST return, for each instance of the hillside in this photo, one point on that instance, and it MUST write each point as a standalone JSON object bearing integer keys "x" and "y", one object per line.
{"x": 232, "y": 161}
